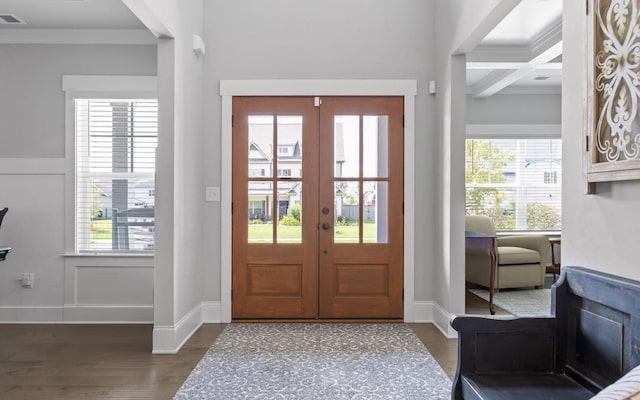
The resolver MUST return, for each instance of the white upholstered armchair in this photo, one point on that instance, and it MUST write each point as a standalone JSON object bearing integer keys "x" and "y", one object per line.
{"x": 521, "y": 259}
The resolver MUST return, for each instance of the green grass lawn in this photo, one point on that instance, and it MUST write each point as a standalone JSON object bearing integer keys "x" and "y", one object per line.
{"x": 260, "y": 233}
{"x": 101, "y": 229}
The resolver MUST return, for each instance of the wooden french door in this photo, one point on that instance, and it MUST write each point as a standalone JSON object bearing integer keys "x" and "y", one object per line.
{"x": 317, "y": 207}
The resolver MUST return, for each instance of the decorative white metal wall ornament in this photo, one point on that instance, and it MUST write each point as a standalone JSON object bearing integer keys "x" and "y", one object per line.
{"x": 612, "y": 148}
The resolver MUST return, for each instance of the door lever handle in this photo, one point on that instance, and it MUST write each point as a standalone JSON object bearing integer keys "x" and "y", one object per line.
{"x": 326, "y": 226}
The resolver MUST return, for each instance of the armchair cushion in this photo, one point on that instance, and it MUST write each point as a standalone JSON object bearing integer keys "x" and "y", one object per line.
{"x": 517, "y": 255}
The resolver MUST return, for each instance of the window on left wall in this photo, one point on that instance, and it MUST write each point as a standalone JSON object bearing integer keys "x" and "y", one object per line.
{"x": 116, "y": 142}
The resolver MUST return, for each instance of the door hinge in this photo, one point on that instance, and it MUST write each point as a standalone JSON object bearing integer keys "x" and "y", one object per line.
{"x": 403, "y": 121}
{"x": 317, "y": 101}
{"x": 402, "y": 294}
{"x": 232, "y": 121}
{"x": 232, "y": 207}
{"x": 403, "y": 208}
{"x": 587, "y": 9}
{"x": 586, "y": 143}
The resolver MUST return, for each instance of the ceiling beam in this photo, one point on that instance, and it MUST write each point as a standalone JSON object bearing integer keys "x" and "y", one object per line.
{"x": 510, "y": 65}
{"x": 543, "y": 50}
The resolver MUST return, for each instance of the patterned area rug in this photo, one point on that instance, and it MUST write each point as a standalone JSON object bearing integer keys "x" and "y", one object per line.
{"x": 520, "y": 302}
{"x": 316, "y": 361}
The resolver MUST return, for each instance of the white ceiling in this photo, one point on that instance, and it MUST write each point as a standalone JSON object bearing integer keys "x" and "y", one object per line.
{"x": 525, "y": 45}
{"x": 70, "y": 14}
{"x": 522, "y": 54}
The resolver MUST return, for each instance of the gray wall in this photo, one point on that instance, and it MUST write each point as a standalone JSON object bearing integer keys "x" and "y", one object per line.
{"x": 34, "y": 175}
{"x": 334, "y": 39}
{"x": 31, "y": 98}
{"x": 598, "y": 231}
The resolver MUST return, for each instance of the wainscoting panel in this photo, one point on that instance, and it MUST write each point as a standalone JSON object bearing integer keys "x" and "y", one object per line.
{"x": 108, "y": 289}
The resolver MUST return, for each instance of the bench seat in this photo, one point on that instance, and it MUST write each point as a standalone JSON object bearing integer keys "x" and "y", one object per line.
{"x": 522, "y": 387}
{"x": 590, "y": 340}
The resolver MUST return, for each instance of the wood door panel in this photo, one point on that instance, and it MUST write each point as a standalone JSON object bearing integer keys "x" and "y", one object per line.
{"x": 359, "y": 279}
{"x": 274, "y": 280}
{"x": 314, "y": 275}
{"x": 363, "y": 280}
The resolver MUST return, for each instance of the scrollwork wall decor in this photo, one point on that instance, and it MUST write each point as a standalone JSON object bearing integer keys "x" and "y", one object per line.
{"x": 612, "y": 150}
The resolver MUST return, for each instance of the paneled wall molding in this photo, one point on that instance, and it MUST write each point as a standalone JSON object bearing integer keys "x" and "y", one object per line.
{"x": 111, "y": 288}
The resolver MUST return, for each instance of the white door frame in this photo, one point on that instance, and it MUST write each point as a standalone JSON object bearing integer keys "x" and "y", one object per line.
{"x": 230, "y": 88}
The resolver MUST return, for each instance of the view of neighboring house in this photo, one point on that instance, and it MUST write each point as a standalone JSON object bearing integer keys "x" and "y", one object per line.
{"x": 288, "y": 153}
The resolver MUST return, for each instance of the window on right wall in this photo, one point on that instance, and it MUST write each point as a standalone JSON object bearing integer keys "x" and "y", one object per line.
{"x": 515, "y": 181}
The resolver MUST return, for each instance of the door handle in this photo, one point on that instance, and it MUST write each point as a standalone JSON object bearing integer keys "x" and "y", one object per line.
{"x": 326, "y": 226}
{"x": 325, "y": 210}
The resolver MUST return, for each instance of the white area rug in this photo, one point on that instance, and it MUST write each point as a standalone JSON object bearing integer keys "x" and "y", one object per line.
{"x": 520, "y": 302}
{"x": 317, "y": 361}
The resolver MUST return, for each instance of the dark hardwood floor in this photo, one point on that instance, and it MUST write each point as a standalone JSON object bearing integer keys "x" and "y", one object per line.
{"x": 115, "y": 362}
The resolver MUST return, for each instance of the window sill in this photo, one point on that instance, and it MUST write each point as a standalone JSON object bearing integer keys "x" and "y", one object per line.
{"x": 141, "y": 255}
{"x": 549, "y": 234}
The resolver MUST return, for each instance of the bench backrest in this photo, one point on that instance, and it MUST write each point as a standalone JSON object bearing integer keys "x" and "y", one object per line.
{"x": 598, "y": 325}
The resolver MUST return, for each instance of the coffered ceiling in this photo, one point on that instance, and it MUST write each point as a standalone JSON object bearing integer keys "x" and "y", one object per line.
{"x": 522, "y": 54}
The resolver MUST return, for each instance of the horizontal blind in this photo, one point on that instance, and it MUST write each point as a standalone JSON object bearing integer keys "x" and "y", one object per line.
{"x": 116, "y": 144}
{"x": 516, "y": 182}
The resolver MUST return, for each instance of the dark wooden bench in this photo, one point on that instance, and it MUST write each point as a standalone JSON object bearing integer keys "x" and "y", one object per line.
{"x": 591, "y": 339}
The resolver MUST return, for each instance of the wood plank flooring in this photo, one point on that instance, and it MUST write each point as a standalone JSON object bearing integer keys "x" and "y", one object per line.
{"x": 86, "y": 362}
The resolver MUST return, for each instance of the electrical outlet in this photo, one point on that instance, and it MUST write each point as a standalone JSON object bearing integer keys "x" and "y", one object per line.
{"x": 27, "y": 280}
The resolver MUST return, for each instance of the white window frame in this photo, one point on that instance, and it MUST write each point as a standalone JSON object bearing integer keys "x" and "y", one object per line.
{"x": 88, "y": 87}
{"x": 507, "y": 131}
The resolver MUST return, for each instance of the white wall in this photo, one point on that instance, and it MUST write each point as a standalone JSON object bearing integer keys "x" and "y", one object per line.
{"x": 35, "y": 170}
{"x": 288, "y": 39}
{"x": 179, "y": 268}
{"x": 461, "y": 24}
{"x": 598, "y": 231}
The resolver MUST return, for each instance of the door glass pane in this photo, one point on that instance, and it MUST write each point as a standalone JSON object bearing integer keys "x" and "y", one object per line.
{"x": 375, "y": 144}
{"x": 290, "y": 146}
{"x": 290, "y": 212}
{"x": 260, "y": 212}
{"x": 375, "y": 212}
{"x": 346, "y": 146}
{"x": 346, "y": 206}
{"x": 260, "y": 145}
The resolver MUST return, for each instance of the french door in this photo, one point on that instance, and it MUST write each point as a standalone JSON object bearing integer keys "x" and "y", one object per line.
{"x": 317, "y": 207}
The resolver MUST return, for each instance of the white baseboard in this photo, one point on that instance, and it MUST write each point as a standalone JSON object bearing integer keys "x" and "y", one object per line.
{"x": 211, "y": 312}
{"x": 423, "y": 311}
{"x": 431, "y": 312}
{"x": 77, "y": 314}
{"x": 110, "y": 314}
{"x": 31, "y": 315}
{"x": 169, "y": 339}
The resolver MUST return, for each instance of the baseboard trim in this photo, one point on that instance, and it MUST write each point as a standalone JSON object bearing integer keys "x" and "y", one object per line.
{"x": 169, "y": 339}
{"x": 31, "y": 315}
{"x": 141, "y": 314}
{"x": 423, "y": 311}
{"x": 441, "y": 318}
{"x": 431, "y": 312}
{"x": 211, "y": 312}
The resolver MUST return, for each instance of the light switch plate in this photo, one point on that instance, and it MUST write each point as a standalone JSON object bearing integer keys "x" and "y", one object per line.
{"x": 212, "y": 193}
